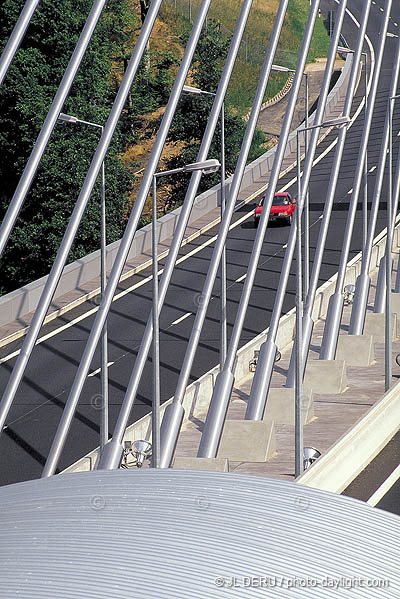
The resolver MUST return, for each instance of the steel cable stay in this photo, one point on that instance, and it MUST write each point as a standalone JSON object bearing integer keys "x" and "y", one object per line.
{"x": 16, "y": 37}
{"x": 42, "y": 140}
{"x": 137, "y": 371}
{"x": 80, "y": 206}
{"x": 126, "y": 242}
{"x": 308, "y": 323}
{"x": 173, "y": 416}
{"x": 224, "y": 383}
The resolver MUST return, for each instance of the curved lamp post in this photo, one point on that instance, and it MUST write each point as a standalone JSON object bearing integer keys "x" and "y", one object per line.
{"x": 67, "y": 118}
{"x": 206, "y": 166}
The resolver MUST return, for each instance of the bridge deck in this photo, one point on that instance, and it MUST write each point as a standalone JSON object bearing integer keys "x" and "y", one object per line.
{"x": 334, "y": 415}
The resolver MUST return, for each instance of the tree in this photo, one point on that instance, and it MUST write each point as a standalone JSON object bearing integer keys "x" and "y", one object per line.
{"x": 25, "y": 98}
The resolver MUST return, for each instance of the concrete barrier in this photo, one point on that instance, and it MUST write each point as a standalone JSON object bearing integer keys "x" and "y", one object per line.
{"x": 344, "y": 461}
{"x": 198, "y": 394}
{"x": 76, "y": 275}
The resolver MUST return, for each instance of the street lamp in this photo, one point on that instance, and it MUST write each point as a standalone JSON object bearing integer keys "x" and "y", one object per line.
{"x": 67, "y": 118}
{"x": 207, "y": 167}
{"x": 306, "y": 211}
{"x": 343, "y": 50}
{"x": 223, "y": 320}
{"x": 299, "y": 466}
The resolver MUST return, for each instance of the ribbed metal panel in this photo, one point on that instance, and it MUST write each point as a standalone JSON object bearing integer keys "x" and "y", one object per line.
{"x": 171, "y": 533}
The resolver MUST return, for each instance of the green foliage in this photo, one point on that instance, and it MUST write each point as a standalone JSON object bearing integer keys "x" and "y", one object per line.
{"x": 25, "y": 98}
{"x": 153, "y": 83}
{"x": 298, "y": 13}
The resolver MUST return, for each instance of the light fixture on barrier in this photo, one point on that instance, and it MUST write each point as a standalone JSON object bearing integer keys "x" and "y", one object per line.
{"x": 141, "y": 450}
{"x": 310, "y": 454}
{"x": 348, "y": 293}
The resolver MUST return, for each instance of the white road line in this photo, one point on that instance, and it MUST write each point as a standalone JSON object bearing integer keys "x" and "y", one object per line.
{"x": 99, "y": 369}
{"x": 178, "y": 320}
{"x": 242, "y": 278}
{"x": 385, "y": 487}
{"x": 391, "y": 34}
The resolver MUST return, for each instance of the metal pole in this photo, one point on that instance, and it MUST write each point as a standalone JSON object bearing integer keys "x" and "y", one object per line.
{"x": 155, "y": 417}
{"x": 306, "y": 206}
{"x": 224, "y": 382}
{"x": 104, "y": 344}
{"x": 308, "y": 323}
{"x": 16, "y": 37}
{"x": 130, "y": 230}
{"x": 396, "y": 195}
{"x": 380, "y": 294}
{"x": 224, "y": 337}
{"x": 266, "y": 359}
{"x": 365, "y": 202}
{"x": 174, "y": 412}
{"x": 299, "y": 309}
{"x": 172, "y": 421}
{"x": 363, "y": 281}
{"x": 62, "y": 255}
{"x": 389, "y": 240}
{"x": 335, "y": 308}
{"x": 41, "y": 142}
{"x": 190, "y": 10}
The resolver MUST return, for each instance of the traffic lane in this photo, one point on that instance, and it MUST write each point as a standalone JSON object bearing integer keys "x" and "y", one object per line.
{"x": 245, "y": 230}
{"x": 377, "y": 471}
{"x": 27, "y": 435}
{"x": 126, "y": 324}
{"x": 391, "y": 501}
{"x": 84, "y": 432}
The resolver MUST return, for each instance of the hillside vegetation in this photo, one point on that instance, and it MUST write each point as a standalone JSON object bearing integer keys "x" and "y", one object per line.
{"x": 33, "y": 78}
{"x": 257, "y": 34}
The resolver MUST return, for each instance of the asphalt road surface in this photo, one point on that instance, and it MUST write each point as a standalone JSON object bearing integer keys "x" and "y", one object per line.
{"x": 379, "y": 482}
{"x": 37, "y": 409}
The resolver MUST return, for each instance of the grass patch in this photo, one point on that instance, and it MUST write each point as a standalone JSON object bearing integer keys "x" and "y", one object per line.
{"x": 246, "y": 73}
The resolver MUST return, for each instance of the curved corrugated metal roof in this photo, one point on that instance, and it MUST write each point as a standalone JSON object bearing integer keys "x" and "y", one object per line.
{"x": 185, "y": 534}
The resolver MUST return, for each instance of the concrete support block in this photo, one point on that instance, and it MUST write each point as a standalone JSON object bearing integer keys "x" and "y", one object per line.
{"x": 247, "y": 441}
{"x": 375, "y": 326}
{"x": 326, "y": 376}
{"x": 396, "y": 304}
{"x": 355, "y": 350}
{"x": 281, "y": 406}
{"x": 215, "y": 464}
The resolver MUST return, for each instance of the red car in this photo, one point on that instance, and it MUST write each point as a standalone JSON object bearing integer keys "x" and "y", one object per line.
{"x": 283, "y": 207}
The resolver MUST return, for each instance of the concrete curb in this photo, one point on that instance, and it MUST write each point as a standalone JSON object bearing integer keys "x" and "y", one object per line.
{"x": 344, "y": 461}
{"x": 277, "y": 98}
{"x": 20, "y": 302}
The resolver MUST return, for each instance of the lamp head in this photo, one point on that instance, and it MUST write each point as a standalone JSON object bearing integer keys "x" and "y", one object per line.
{"x": 207, "y": 166}
{"x": 67, "y": 118}
{"x": 349, "y": 292}
{"x": 142, "y": 450}
{"x": 310, "y": 454}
